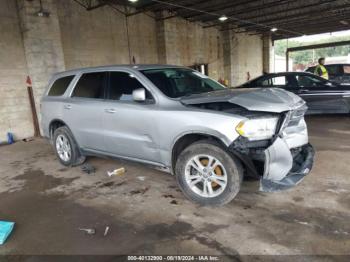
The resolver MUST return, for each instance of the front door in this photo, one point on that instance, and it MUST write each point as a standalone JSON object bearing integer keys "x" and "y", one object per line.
{"x": 321, "y": 96}
{"x": 129, "y": 126}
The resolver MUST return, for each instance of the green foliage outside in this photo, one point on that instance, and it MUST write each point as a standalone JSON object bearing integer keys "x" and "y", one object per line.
{"x": 311, "y": 56}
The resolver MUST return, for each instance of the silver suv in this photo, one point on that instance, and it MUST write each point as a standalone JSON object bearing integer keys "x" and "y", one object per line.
{"x": 178, "y": 119}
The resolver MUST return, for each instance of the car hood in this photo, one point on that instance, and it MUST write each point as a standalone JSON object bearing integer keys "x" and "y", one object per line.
{"x": 254, "y": 99}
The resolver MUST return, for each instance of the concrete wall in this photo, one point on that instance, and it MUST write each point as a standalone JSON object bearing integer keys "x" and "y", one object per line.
{"x": 250, "y": 57}
{"x": 187, "y": 43}
{"x": 268, "y": 55}
{"x": 14, "y": 105}
{"x": 72, "y": 37}
{"x": 100, "y": 37}
{"x": 243, "y": 57}
{"x": 42, "y": 44}
{"x": 247, "y": 58}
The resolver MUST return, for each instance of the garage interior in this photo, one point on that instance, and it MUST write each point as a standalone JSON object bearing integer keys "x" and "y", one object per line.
{"x": 144, "y": 209}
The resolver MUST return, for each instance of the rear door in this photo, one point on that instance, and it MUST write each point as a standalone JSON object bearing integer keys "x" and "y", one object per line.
{"x": 320, "y": 95}
{"x": 83, "y": 110}
{"x": 129, "y": 126}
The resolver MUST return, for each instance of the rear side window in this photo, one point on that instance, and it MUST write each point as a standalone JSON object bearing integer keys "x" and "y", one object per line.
{"x": 274, "y": 81}
{"x": 90, "y": 85}
{"x": 60, "y": 86}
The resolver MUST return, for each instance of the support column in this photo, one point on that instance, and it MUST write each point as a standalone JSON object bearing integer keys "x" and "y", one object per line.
{"x": 42, "y": 43}
{"x": 268, "y": 54}
{"x": 230, "y": 57}
{"x": 161, "y": 39}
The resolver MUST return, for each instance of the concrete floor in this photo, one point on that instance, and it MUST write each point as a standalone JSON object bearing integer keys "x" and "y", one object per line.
{"x": 147, "y": 214}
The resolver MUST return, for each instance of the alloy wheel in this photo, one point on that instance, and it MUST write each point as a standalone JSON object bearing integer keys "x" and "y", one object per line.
{"x": 206, "y": 176}
{"x": 63, "y": 148}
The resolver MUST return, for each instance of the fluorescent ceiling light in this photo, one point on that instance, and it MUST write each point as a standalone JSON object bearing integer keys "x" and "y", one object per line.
{"x": 274, "y": 29}
{"x": 223, "y": 18}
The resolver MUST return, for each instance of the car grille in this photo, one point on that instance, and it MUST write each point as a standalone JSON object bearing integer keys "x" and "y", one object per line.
{"x": 293, "y": 117}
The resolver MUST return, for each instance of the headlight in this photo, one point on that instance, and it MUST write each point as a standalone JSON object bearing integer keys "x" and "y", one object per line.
{"x": 257, "y": 129}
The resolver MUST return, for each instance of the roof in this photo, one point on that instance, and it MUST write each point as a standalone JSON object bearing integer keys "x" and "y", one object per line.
{"x": 289, "y": 73}
{"x": 336, "y": 64}
{"x": 291, "y": 17}
{"x": 138, "y": 67}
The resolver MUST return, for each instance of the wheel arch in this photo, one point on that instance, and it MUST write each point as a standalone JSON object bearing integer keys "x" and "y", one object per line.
{"x": 54, "y": 124}
{"x": 187, "y": 139}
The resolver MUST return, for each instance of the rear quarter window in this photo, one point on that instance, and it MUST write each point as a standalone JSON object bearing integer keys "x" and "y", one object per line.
{"x": 60, "y": 86}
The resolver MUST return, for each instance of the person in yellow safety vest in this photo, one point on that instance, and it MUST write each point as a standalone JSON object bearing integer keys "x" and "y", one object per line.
{"x": 320, "y": 69}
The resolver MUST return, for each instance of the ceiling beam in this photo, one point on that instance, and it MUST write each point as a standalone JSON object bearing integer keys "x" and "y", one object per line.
{"x": 307, "y": 14}
{"x": 214, "y": 6}
{"x": 307, "y": 7}
{"x": 277, "y": 10}
{"x": 323, "y": 30}
{"x": 240, "y": 8}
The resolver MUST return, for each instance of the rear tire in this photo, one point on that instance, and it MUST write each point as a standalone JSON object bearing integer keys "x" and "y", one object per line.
{"x": 208, "y": 174}
{"x": 66, "y": 148}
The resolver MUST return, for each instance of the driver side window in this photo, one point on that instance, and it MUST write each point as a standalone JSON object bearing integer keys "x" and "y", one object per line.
{"x": 121, "y": 86}
{"x": 307, "y": 81}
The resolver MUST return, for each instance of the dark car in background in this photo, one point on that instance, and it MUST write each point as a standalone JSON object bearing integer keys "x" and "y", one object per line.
{"x": 322, "y": 96}
{"x": 339, "y": 73}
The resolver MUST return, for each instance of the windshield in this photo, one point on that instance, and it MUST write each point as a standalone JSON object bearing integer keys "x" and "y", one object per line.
{"x": 178, "y": 82}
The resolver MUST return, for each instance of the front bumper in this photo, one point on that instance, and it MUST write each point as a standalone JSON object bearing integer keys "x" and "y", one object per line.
{"x": 276, "y": 165}
{"x": 275, "y": 179}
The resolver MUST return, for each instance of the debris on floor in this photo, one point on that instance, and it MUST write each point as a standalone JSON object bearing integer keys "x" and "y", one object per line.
{"x": 174, "y": 202}
{"x": 5, "y": 230}
{"x": 141, "y": 178}
{"x": 139, "y": 191}
{"x": 168, "y": 196}
{"x": 89, "y": 169}
{"x": 112, "y": 184}
{"x": 27, "y": 139}
{"x": 89, "y": 231}
{"x": 116, "y": 172}
{"x": 106, "y": 231}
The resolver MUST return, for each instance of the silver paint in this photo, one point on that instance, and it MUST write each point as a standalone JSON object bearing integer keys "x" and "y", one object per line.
{"x": 148, "y": 132}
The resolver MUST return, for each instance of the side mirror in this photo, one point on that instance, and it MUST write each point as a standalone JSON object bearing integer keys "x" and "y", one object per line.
{"x": 139, "y": 95}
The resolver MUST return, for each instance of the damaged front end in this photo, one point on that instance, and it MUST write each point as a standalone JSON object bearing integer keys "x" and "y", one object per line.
{"x": 283, "y": 161}
{"x": 280, "y": 156}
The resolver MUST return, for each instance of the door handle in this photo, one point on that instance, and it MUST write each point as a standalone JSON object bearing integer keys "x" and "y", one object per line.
{"x": 110, "y": 110}
{"x": 304, "y": 90}
{"x": 67, "y": 107}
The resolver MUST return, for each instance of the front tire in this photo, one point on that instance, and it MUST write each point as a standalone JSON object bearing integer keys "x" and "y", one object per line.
{"x": 207, "y": 174}
{"x": 66, "y": 148}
